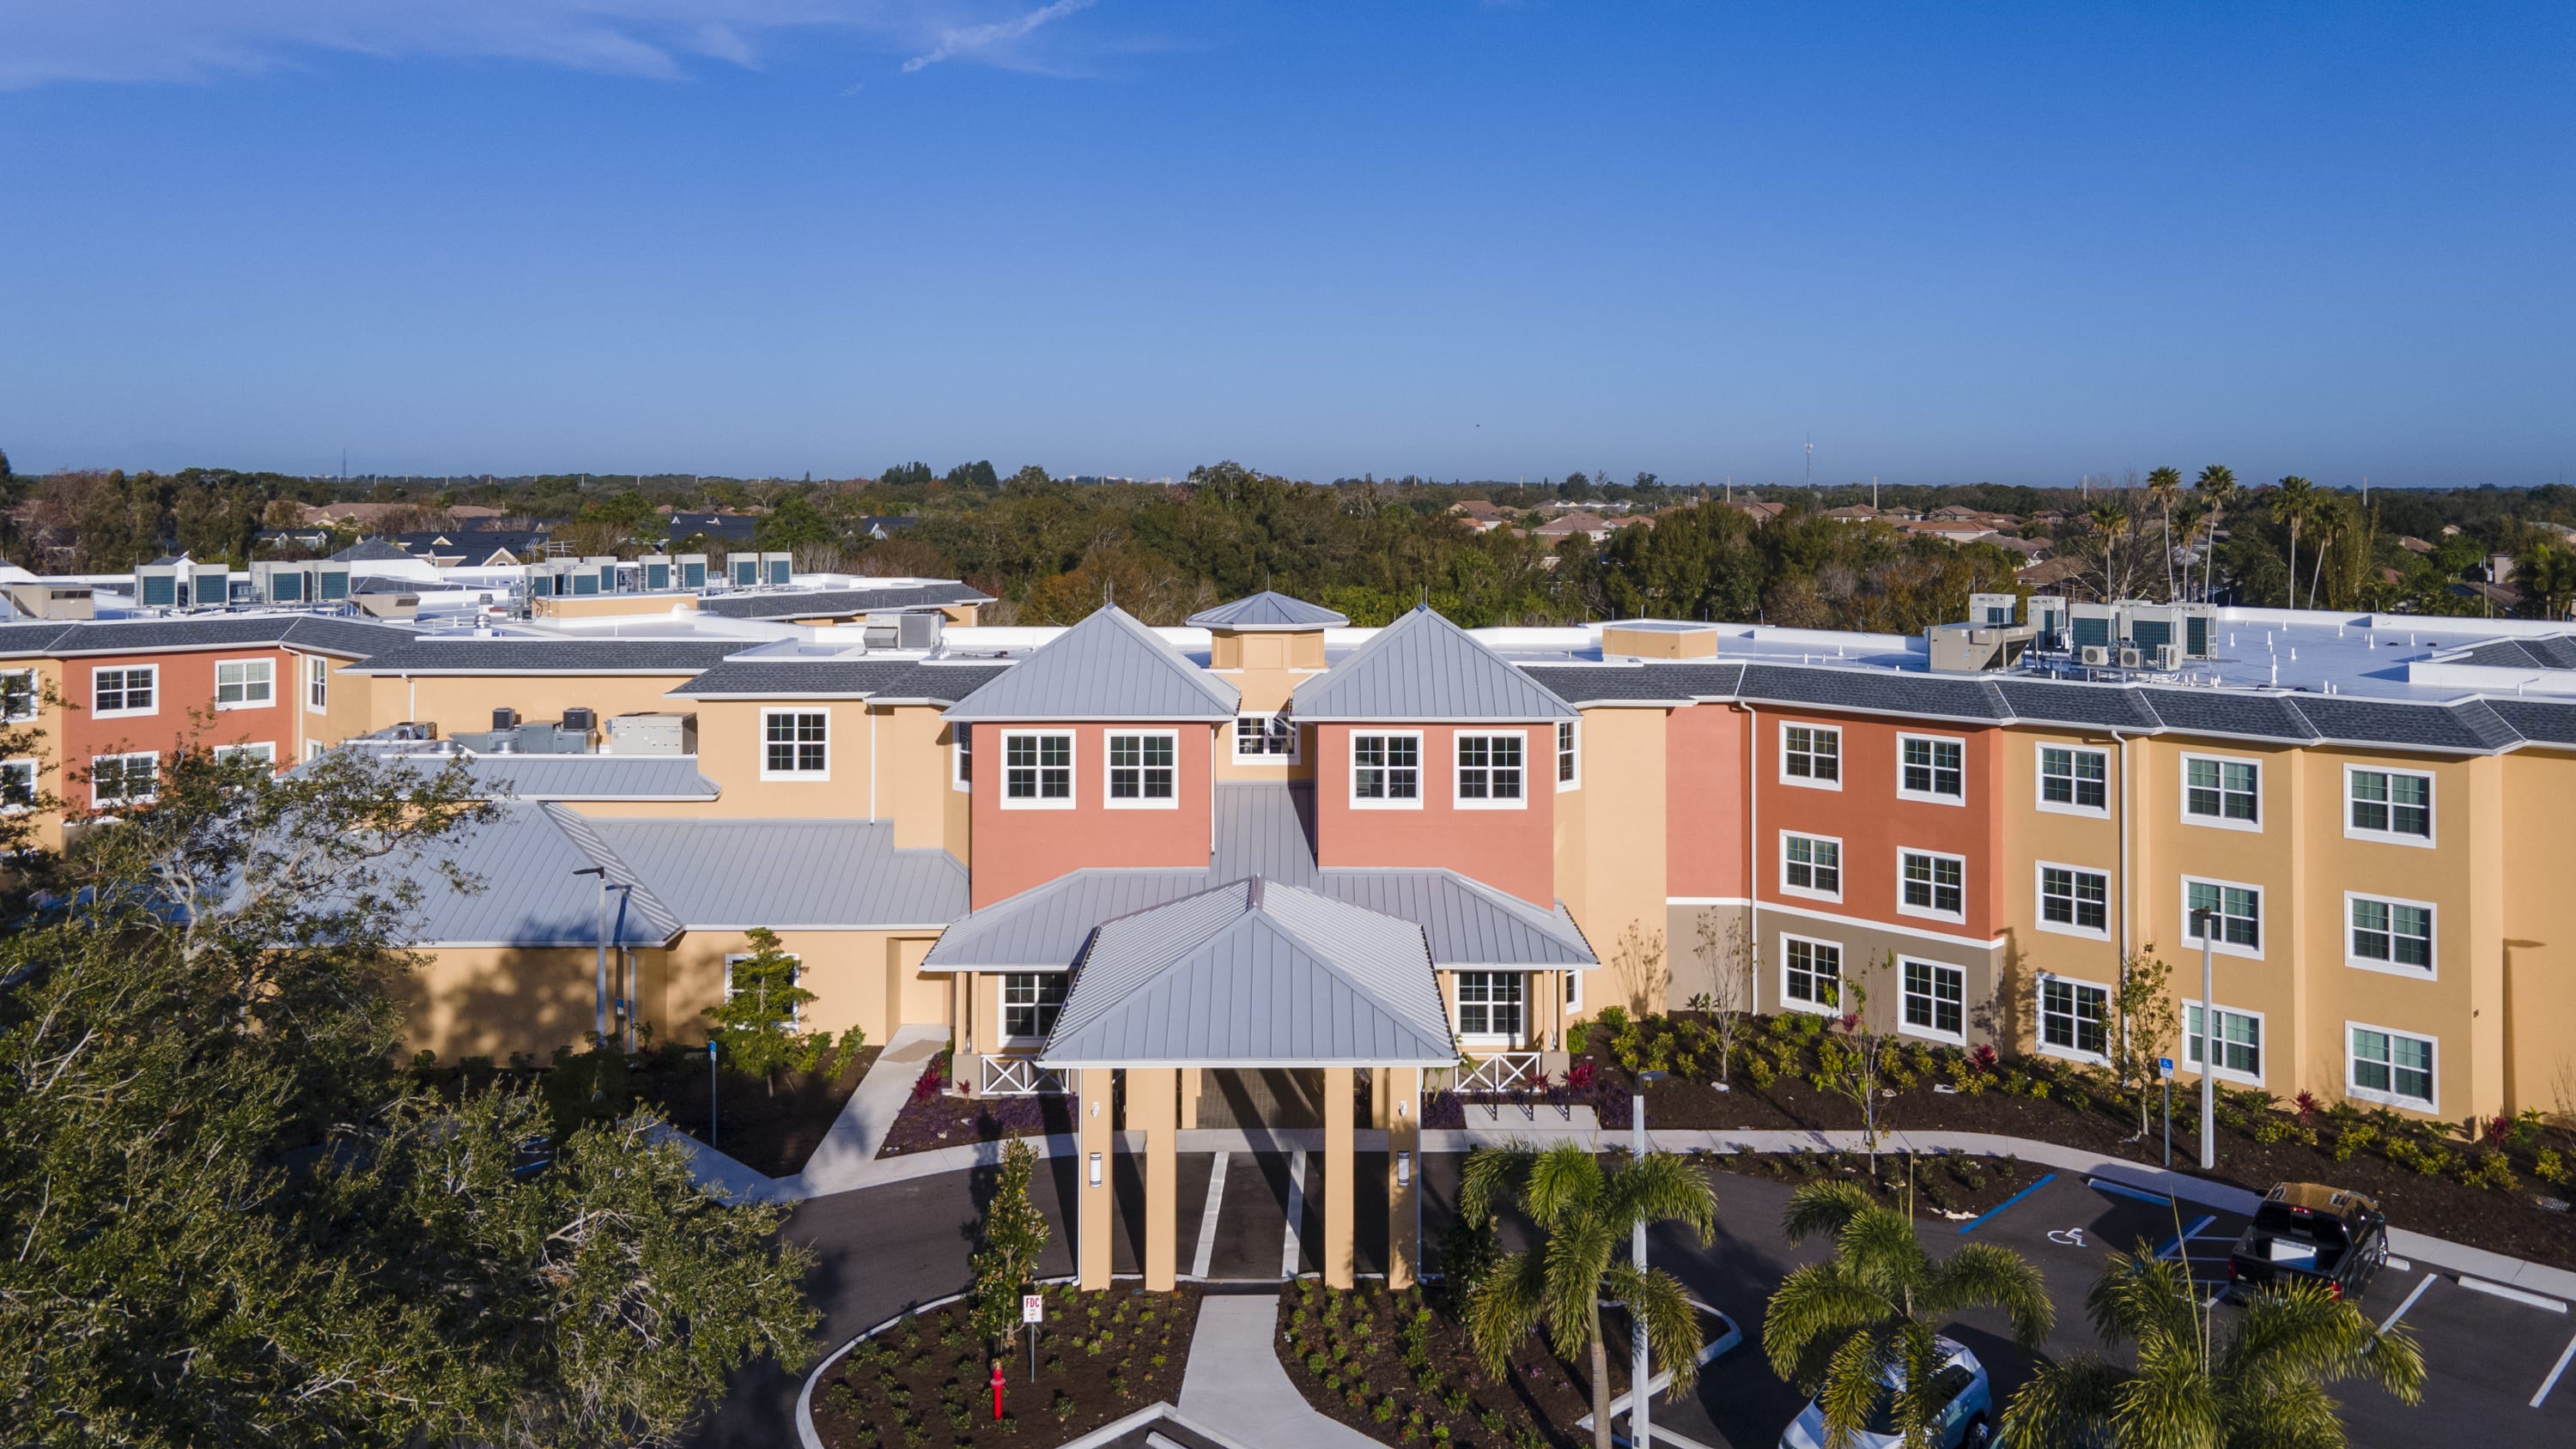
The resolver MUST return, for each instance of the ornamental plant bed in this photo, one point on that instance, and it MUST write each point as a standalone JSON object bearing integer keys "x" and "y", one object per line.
{"x": 770, "y": 1132}
{"x": 1949, "y": 1186}
{"x": 933, "y": 1119}
{"x": 2429, "y": 1176}
{"x": 1398, "y": 1367}
{"x": 926, "y": 1380}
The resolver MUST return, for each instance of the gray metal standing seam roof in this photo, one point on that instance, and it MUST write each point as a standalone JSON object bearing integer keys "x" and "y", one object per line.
{"x": 574, "y": 777}
{"x": 828, "y": 603}
{"x": 1106, "y": 667}
{"x": 788, "y": 874}
{"x": 1268, "y": 611}
{"x": 523, "y": 860}
{"x": 1424, "y": 669}
{"x": 552, "y": 656}
{"x": 1467, "y": 922}
{"x": 1043, "y": 928}
{"x": 1254, "y": 974}
{"x": 1265, "y": 828}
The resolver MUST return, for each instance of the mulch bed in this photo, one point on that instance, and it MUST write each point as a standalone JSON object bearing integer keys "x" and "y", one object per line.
{"x": 1398, "y": 1368}
{"x": 926, "y": 1380}
{"x": 2041, "y": 1098}
{"x": 771, "y": 1133}
{"x": 933, "y": 1119}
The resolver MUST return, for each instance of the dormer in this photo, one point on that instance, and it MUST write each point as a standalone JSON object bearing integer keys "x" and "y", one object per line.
{"x": 1267, "y": 631}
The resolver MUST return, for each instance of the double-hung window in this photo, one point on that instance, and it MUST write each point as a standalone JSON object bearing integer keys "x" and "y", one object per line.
{"x": 1265, "y": 739}
{"x": 1931, "y": 885}
{"x": 317, "y": 683}
{"x": 17, "y": 694}
{"x": 2391, "y": 935}
{"x": 2072, "y": 900}
{"x": 2072, "y": 1016}
{"x": 1489, "y": 772}
{"x": 1811, "y": 973}
{"x": 1811, "y": 755}
{"x": 124, "y": 779}
{"x": 795, "y": 744}
{"x": 1931, "y": 768}
{"x": 1037, "y": 771}
{"x": 2240, "y": 1042}
{"x": 2074, "y": 781}
{"x": 1811, "y": 865}
{"x": 17, "y": 784}
{"x": 1490, "y": 1005}
{"x": 265, "y": 752}
{"x": 2236, "y": 914}
{"x": 1569, "y": 758}
{"x": 961, "y": 754}
{"x": 2391, "y": 1067}
{"x": 1141, "y": 771}
{"x": 795, "y": 968}
{"x": 1386, "y": 771}
{"x": 1935, "y": 1000}
{"x": 245, "y": 683}
{"x": 1031, "y": 1001}
{"x": 2224, "y": 792}
{"x": 2394, "y": 805}
{"x": 124, "y": 691}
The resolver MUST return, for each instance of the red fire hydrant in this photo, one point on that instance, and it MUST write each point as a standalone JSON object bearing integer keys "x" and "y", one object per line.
{"x": 997, "y": 1389}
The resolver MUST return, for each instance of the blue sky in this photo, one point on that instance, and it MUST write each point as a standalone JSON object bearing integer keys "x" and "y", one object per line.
{"x": 1950, "y": 242}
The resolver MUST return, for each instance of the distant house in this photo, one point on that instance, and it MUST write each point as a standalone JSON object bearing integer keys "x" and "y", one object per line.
{"x": 2062, "y": 574}
{"x": 882, "y": 526}
{"x": 1952, "y": 511}
{"x": 1953, "y": 530}
{"x": 1482, "y": 516}
{"x": 475, "y": 548}
{"x": 1852, "y": 513}
{"x": 2412, "y": 544}
{"x": 311, "y": 540}
{"x": 360, "y": 514}
{"x": 376, "y": 550}
{"x": 1759, "y": 511}
{"x": 2032, "y": 549}
{"x": 1570, "y": 525}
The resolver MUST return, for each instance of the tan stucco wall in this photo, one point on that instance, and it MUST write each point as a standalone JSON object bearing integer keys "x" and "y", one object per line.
{"x": 463, "y": 703}
{"x": 1610, "y": 853}
{"x": 2538, "y": 990}
{"x": 730, "y": 753}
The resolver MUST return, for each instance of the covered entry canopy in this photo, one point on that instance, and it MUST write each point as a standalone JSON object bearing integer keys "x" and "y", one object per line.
{"x": 1254, "y": 974}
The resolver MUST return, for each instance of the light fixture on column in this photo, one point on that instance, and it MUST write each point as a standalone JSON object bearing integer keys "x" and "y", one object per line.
{"x": 1095, "y": 1169}
{"x": 1399, "y": 1106}
{"x": 1404, "y": 1169}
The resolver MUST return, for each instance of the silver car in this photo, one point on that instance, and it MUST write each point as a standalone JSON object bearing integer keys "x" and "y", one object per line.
{"x": 1966, "y": 1415}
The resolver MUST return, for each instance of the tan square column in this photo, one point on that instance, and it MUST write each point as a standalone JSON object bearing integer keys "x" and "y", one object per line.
{"x": 1092, "y": 1174}
{"x": 1193, "y": 1082}
{"x": 1404, "y": 1177}
{"x": 1341, "y": 1255}
{"x": 1153, "y": 1106}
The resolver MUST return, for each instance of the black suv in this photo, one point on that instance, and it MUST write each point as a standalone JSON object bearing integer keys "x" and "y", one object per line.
{"x": 2304, "y": 1231}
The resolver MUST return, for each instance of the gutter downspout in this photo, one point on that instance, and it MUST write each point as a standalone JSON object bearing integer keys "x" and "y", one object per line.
{"x": 2126, "y": 913}
{"x": 1752, "y": 840}
{"x": 872, "y": 757}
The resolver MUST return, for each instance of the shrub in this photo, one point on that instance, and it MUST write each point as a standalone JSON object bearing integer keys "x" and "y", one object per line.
{"x": 1613, "y": 1018}
{"x": 1577, "y": 1036}
{"x": 1385, "y": 1409}
{"x": 1063, "y": 1406}
{"x": 2491, "y": 1172}
{"x": 1759, "y": 1073}
{"x": 2352, "y": 1139}
{"x": 2552, "y": 1168}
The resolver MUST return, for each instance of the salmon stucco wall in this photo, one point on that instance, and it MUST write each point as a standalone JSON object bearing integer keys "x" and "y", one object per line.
{"x": 1509, "y": 849}
{"x": 1018, "y": 846}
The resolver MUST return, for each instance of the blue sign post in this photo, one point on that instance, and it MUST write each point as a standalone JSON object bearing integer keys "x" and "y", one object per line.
{"x": 711, "y": 1100}
{"x": 2164, "y": 1069}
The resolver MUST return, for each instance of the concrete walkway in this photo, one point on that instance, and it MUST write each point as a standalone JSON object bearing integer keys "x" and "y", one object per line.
{"x": 847, "y": 1156}
{"x": 1234, "y": 1379}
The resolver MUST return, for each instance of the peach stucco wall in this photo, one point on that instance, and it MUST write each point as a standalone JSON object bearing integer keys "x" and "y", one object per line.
{"x": 1512, "y": 850}
{"x": 1875, "y": 823}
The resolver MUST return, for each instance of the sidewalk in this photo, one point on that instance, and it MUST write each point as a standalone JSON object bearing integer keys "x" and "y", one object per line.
{"x": 1234, "y": 1379}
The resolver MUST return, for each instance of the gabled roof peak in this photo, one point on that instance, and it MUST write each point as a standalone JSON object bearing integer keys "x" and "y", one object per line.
{"x": 1266, "y": 612}
{"x": 1109, "y": 666}
{"x": 1424, "y": 669}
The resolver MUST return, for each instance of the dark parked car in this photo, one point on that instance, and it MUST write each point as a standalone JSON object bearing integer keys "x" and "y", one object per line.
{"x": 2306, "y": 1231}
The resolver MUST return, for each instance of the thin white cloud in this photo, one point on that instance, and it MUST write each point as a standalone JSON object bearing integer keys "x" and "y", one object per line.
{"x": 967, "y": 40}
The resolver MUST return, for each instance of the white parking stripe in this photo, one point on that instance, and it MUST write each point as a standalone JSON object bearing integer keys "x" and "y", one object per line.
{"x": 1289, "y": 1254}
{"x": 2513, "y": 1295}
{"x": 2564, "y": 1355}
{"x": 2421, "y": 1284}
{"x": 1207, "y": 1219}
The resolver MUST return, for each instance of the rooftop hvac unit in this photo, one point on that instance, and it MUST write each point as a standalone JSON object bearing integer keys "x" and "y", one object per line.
{"x": 2130, "y": 658}
{"x": 656, "y": 570}
{"x": 331, "y": 583}
{"x": 651, "y": 733}
{"x": 2199, "y": 631}
{"x": 281, "y": 583}
{"x": 210, "y": 586}
{"x": 546, "y": 739}
{"x": 2095, "y": 656}
{"x": 1992, "y": 608}
{"x": 584, "y": 582}
{"x": 777, "y": 569}
{"x": 2169, "y": 656}
{"x": 156, "y": 586}
{"x": 505, "y": 718}
{"x": 2048, "y": 616}
{"x": 692, "y": 569}
{"x": 579, "y": 720}
{"x": 603, "y": 571}
{"x": 2094, "y": 624}
{"x": 921, "y": 631}
{"x": 742, "y": 570}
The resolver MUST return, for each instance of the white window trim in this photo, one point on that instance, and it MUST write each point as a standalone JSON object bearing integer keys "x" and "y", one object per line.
{"x": 1558, "y": 756}
{"x": 268, "y": 703}
{"x": 2039, "y": 1018}
{"x": 2219, "y": 944}
{"x": 1841, "y": 977}
{"x": 1932, "y": 797}
{"x": 1421, "y": 767}
{"x": 1296, "y": 739}
{"x": 154, "y": 708}
{"x": 820, "y": 776}
{"x": 1573, "y": 992}
{"x": 2262, "y": 1043}
{"x": 226, "y": 752}
{"x": 1927, "y": 912}
{"x": 1805, "y": 782}
{"x": 2182, "y": 797}
{"x": 96, "y": 803}
{"x": 1072, "y": 766}
{"x": 1002, "y": 999}
{"x": 2039, "y": 901}
{"x": 1111, "y": 802}
{"x": 1842, "y": 867}
{"x": 2352, "y": 1074}
{"x": 2039, "y": 783}
{"x": 35, "y": 769}
{"x": 961, "y": 749}
{"x": 1908, "y": 1028}
{"x": 2429, "y": 971}
{"x": 795, "y": 1014}
{"x": 2432, "y": 820}
{"x": 35, "y": 692}
{"x": 1458, "y": 1003}
{"x": 317, "y": 684}
{"x": 1460, "y": 801}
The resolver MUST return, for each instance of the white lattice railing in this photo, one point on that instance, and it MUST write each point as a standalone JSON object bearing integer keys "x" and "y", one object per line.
{"x": 1502, "y": 1072}
{"x": 1017, "y": 1077}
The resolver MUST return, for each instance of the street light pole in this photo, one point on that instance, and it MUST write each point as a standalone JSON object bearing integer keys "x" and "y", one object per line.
{"x": 1640, "y": 1367}
{"x": 2202, "y": 919}
{"x": 600, "y": 1029}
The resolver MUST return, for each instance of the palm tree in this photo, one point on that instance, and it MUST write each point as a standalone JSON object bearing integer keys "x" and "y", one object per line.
{"x": 2548, "y": 577}
{"x": 1586, "y": 1213}
{"x": 2110, "y": 520}
{"x": 2162, "y": 485}
{"x": 1836, "y": 1328}
{"x": 2217, "y": 483}
{"x": 2293, "y": 503}
{"x": 2263, "y": 1387}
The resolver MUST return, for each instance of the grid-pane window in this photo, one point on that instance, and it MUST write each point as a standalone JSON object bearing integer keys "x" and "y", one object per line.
{"x": 1935, "y": 998}
{"x": 264, "y": 752}
{"x": 1037, "y": 767}
{"x": 2221, "y": 790}
{"x": 1489, "y": 767}
{"x": 17, "y": 784}
{"x": 1031, "y": 1000}
{"x": 2078, "y": 898}
{"x": 2240, "y": 1040}
{"x": 1140, "y": 767}
{"x": 317, "y": 682}
{"x": 1934, "y": 882}
{"x": 1386, "y": 767}
{"x": 123, "y": 779}
{"x": 241, "y": 682}
{"x": 1265, "y": 737}
{"x": 2071, "y": 1015}
{"x": 2392, "y": 931}
{"x": 1812, "y": 864}
{"x": 18, "y": 694}
{"x": 2392, "y": 802}
{"x": 1932, "y": 767}
{"x": 1813, "y": 973}
{"x": 2393, "y": 1064}
{"x": 795, "y": 742}
{"x": 2077, "y": 778}
{"x": 1811, "y": 752}
{"x": 2239, "y": 910}
{"x": 130, "y": 690}
{"x": 1490, "y": 1003}
{"x": 1565, "y": 752}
